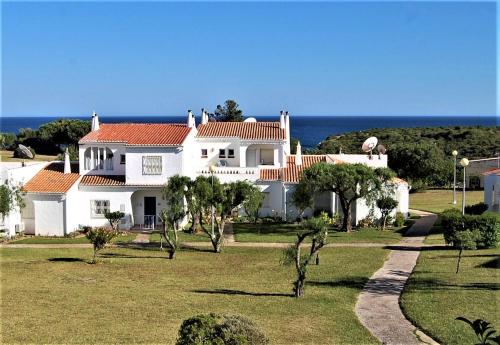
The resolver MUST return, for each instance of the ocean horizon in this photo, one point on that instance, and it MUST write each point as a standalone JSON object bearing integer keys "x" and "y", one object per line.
{"x": 309, "y": 129}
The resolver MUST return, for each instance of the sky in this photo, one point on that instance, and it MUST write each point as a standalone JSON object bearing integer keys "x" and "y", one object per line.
{"x": 316, "y": 58}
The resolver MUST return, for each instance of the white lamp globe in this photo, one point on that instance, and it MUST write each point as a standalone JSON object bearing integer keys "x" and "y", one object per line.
{"x": 454, "y": 153}
{"x": 464, "y": 162}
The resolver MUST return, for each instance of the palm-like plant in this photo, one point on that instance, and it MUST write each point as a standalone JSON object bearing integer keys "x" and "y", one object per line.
{"x": 484, "y": 331}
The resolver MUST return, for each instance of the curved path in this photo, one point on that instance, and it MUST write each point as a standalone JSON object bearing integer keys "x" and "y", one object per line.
{"x": 378, "y": 304}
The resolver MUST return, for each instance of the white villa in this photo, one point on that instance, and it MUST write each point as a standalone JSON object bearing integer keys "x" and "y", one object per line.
{"x": 123, "y": 167}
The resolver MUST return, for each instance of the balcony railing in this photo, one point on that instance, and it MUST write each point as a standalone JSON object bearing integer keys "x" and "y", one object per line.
{"x": 232, "y": 173}
{"x": 149, "y": 222}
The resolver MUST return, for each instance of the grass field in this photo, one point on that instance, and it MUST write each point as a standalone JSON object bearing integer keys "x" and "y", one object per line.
{"x": 286, "y": 233}
{"x": 126, "y": 237}
{"x": 439, "y": 200}
{"x": 138, "y": 296}
{"x": 183, "y": 237}
{"x": 8, "y": 156}
{"x": 435, "y": 295}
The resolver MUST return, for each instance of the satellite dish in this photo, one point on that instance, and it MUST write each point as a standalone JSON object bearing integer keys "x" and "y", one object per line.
{"x": 369, "y": 145}
{"x": 26, "y": 151}
{"x": 250, "y": 119}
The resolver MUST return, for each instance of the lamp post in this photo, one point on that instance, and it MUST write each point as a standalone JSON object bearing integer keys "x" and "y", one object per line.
{"x": 211, "y": 168}
{"x": 464, "y": 162}
{"x": 454, "y": 153}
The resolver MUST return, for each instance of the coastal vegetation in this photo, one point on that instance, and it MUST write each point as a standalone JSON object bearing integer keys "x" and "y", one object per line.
{"x": 423, "y": 154}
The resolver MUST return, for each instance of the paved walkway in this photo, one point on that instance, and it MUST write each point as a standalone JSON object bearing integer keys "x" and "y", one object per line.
{"x": 378, "y": 305}
{"x": 142, "y": 238}
{"x": 229, "y": 233}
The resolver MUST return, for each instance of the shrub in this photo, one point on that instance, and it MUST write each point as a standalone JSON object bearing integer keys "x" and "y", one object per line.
{"x": 114, "y": 219}
{"x": 399, "y": 220}
{"x": 99, "y": 237}
{"x": 212, "y": 328}
{"x": 18, "y": 153}
{"x": 487, "y": 227}
{"x": 477, "y": 209}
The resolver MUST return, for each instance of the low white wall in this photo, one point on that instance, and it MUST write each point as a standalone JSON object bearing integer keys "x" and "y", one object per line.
{"x": 49, "y": 215}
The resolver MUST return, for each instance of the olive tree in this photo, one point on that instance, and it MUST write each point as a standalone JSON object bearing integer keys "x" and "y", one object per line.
{"x": 99, "y": 237}
{"x": 349, "y": 181}
{"x": 316, "y": 229}
{"x": 253, "y": 202}
{"x": 175, "y": 211}
{"x": 386, "y": 205}
{"x": 302, "y": 198}
{"x": 114, "y": 219}
{"x": 11, "y": 196}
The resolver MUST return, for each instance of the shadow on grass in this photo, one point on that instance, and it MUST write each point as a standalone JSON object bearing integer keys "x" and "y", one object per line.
{"x": 242, "y": 293}
{"x": 438, "y": 285}
{"x": 353, "y": 283}
{"x": 126, "y": 256}
{"x": 494, "y": 263}
{"x": 66, "y": 260}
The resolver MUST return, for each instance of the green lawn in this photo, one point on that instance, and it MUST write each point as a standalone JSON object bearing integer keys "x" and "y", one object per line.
{"x": 125, "y": 237}
{"x": 435, "y": 295}
{"x": 8, "y": 156}
{"x": 276, "y": 232}
{"x": 439, "y": 200}
{"x": 183, "y": 237}
{"x": 138, "y": 296}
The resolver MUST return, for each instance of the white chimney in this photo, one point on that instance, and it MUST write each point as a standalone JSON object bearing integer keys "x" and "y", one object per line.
{"x": 282, "y": 119}
{"x": 95, "y": 122}
{"x": 190, "y": 119}
{"x": 287, "y": 129}
{"x": 67, "y": 164}
{"x": 204, "y": 116}
{"x": 298, "y": 154}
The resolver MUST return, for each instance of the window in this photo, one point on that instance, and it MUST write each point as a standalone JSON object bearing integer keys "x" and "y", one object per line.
{"x": 266, "y": 157}
{"x": 230, "y": 153}
{"x": 151, "y": 165}
{"x": 99, "y": 207}
{"x": 122, "y": 159}
{"x": 222, "y": 153}
{"x": 204, "y": 153}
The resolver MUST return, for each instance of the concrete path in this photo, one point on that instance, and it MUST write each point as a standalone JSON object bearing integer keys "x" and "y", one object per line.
{"x": 378, "y": 304}
{"x": 229, "y": 233}
{"x": 142, "y": 238}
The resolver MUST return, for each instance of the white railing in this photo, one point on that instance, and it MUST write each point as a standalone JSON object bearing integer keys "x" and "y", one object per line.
{"x": 225, "y": 174}
{"x": 149, "y": 222}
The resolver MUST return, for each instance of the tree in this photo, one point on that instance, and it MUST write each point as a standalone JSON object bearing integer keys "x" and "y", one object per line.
{"x": 386, "y": 205}
{"x": 64, "y": 131}
{"x": 229, "y": 112}
{"x": 114, "y": 219}
{"x": 303, "y": 198}
{"x": 11, "y": 196}
{"x": 172, "y": 215}
{"x": 317, "y": 229}
{"x": 465, "y": 239}
{"x": 349, "y": 181}
{"x": 8, "y": 141}
{"x": 253, "y": 203}
{"x": 99, "y": 237}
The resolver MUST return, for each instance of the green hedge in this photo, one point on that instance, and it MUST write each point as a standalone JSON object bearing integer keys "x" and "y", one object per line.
{"x": 478, "y": 208}
{"x": 486, "y": 226}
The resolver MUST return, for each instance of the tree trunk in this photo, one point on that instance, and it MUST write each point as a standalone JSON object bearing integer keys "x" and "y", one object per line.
{"x": 299, "y": 286}
{"x": 346, "y": 219}
{"x": 458, "y": 261}
{"x": 171, "y": 253}
{"x": 194, "y": 223}
{"x": 95, "y": 252}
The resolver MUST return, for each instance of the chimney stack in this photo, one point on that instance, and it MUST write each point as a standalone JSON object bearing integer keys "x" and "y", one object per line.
{"x": 67, "y": 164}
{"x": 287, "y": 129}
{"x": 282, "y": 119}
{"x": 190, "y": 119}
{"x": 95, "y": 122}
{"x": 298, "y": 154}
{"x": 204, "y": 116}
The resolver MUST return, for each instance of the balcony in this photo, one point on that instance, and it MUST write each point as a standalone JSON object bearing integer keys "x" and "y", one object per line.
{"x": 231, "y": 174}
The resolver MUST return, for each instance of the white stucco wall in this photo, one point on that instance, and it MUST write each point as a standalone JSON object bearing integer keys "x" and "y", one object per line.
{"x": 492, "y": 192}
{"x": 213, "y": 146}
{"x": 171, "y": 164}
{"x": 376, "y": 161}
{"x": 49, "y": 214}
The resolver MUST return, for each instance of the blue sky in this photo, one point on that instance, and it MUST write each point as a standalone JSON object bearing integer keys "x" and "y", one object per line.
{"x": 324, "y": 58}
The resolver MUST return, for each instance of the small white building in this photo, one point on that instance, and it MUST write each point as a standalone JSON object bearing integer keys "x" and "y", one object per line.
{"x": 492, "y": 189}
{"x": 123, "y": 167}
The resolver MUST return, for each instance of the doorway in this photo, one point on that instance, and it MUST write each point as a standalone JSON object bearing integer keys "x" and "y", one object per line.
{"x": 149, "y": 212}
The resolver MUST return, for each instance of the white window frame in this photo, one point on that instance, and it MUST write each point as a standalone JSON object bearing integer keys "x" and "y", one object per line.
{"x": 98, "y": 208}
{"x": 222, "y": 153}
{"x": 229, "y": 155}
{"x": 152, "y": 165}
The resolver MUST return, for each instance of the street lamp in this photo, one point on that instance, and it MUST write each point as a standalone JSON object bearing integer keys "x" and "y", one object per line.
{"x": 211, "y": 168}
{"x": 454, "y": 153}
{"x": 464, "y": 162}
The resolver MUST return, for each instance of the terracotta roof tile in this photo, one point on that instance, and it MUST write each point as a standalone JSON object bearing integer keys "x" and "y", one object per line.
{"x": 51, "y": 179}
{"x": 292, "y": 172}
{"x": 103, "y": 180}
{"x": 493, "y": 171}
{"x": 151, "y": 134}
{"x": 242, "y": 130}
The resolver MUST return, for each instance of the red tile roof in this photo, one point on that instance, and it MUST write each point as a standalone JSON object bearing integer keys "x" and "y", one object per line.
{"x": 494, "y": 171}
{"x": 149, "y": 134}
{"x": 51, "y": 179}
{"x": 103, "y": 180}
{"x": 292, "y": 172}
{"x": 242, "y": 130}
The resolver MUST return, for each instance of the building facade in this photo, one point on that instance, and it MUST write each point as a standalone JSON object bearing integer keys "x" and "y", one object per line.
{"x": 123, "y": 167}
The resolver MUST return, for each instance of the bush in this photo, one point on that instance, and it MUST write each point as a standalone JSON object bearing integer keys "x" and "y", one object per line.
{"x": 99, "y": 237}
{"x": 477, "y": 209}
{"x": 399, "y": 220}
{"x": 217, "y": 329}
{"x": 486, "y": 226}
{"x": 20, "y": 154}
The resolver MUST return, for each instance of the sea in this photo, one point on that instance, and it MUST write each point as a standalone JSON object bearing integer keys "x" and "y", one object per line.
{"x": 310, "y": 130}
